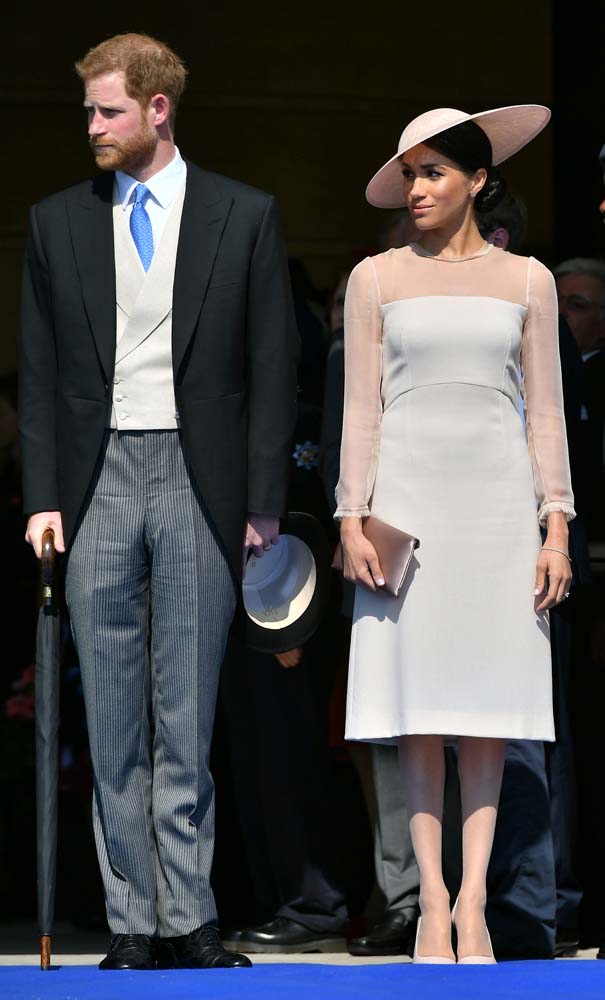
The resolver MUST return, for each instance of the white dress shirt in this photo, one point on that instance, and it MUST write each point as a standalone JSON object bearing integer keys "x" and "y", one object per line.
{"x": 163, "y": 188}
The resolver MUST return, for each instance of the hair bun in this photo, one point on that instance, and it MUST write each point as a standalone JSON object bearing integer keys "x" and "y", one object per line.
{"x": 492, "y": 192}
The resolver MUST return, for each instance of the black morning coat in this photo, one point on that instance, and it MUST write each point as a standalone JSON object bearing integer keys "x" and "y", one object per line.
{"x": 234, "y": 350}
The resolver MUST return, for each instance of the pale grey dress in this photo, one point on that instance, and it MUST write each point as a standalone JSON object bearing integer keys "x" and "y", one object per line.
{"x": 433, "y": 443}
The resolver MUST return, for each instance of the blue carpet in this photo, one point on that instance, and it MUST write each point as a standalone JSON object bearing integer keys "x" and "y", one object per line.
{"x": 580, "y": 980}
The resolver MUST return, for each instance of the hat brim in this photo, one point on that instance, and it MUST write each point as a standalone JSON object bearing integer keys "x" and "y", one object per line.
{"x": 508, "y": 129}
{"x": 290, "y": 636}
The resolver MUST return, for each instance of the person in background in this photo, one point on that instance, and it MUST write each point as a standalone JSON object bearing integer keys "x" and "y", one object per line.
{"x": 505, "y": 225}
{"x": 539, "y": 779}
{"x": 399, "y": 231}
{"x": 277, "y": 731}
{"x": 598, "y": 646}
{"x": 581, "y": 293}
{"x": 393, "y": 907}
{"x": 337, "y": 308}
{"x": 19, "y": 578}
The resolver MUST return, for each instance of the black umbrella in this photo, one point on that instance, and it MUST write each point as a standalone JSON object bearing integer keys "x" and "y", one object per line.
{"x": 48, "y": 653}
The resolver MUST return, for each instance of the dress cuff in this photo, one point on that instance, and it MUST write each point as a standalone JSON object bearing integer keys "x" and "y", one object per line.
{"x": 351, "y": 512}
{"x": 549, "y": 508}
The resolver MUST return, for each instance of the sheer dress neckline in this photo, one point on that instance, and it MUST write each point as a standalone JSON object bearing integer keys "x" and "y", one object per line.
{"x": 421, "y": 252}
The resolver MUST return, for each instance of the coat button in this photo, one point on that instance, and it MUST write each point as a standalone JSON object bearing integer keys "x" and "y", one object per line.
{"x": 123, "y": 416}
{"x": 115, "y": 380}
{"x": 119, "y": 398}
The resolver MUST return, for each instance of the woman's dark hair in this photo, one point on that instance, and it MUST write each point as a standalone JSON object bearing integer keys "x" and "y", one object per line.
{"x": 468, "y": 146}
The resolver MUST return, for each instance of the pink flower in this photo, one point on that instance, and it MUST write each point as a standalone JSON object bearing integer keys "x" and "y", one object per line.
{"x": 20, "y": 706}
{"x": 26, "y": 679}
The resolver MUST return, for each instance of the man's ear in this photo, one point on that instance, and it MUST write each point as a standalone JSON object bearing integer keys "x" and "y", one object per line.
{"x": 160, "y": 106}
{"x": 500, "y": 237}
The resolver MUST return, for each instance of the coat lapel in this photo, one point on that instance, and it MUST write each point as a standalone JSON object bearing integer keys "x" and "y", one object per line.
{"x": 91, "y": 226}
{"x": 205, "y": 213}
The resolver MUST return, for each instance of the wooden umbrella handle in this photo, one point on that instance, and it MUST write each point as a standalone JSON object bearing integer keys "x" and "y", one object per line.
{"x": 47, "y": 570}
{"x": 47, "y": 562}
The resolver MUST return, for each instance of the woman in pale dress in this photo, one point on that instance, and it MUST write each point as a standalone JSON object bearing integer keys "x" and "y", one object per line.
{"x": 441, "y": 337}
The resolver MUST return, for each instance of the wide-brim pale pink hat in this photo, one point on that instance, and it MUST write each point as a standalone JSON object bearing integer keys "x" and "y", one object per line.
{"x": 508, "y": 130}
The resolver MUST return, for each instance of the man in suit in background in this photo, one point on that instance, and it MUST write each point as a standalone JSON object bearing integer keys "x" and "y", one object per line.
{"x": 393, "y": 926}
{"x": 158, "y": 396}
{"x": 581, "y": 294}
{"x": 537, "y": 861}
{"x": 599, "y": 645}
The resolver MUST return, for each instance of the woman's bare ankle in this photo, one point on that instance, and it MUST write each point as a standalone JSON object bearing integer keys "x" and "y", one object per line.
{"x": 471, "y": 899}
{"x": 434, "y": 897}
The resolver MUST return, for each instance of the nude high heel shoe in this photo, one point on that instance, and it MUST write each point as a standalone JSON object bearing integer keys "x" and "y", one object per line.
{"x": 429, "y": 959}
{"x": 475, "y": 959}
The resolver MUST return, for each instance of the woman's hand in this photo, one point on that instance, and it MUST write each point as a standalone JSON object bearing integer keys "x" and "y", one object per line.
{"x": 555, "y": 568}
{"x": 359, "y": 559}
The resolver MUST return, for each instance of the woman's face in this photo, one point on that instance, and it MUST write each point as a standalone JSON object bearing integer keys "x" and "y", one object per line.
{"x": 437, "y": 192}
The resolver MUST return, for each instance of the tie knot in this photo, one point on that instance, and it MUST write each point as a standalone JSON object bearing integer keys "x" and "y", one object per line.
{"x": 140, "y": 194}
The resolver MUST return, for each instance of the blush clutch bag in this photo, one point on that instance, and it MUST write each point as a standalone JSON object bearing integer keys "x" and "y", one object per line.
{"x": 394, "y": 549}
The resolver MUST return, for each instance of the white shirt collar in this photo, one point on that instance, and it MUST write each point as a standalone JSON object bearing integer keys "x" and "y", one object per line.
{"x": 163, "y": 186}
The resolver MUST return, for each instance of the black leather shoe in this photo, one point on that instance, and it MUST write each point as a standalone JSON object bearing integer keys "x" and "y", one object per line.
{"x": 395, "y": 935}
{"x": 283, "y": 936}
{"x": 202, "y": 949}
{"x": 567, "y": 942}
{"x": 129, "y": 951}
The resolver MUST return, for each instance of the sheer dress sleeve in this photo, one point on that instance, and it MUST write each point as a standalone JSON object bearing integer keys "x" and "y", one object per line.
{"x": 543, "y": 395}
{"x": 362, "y": 403}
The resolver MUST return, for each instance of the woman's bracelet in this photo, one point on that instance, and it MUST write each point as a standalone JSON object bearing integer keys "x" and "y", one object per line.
{"x": 549, "y": 548}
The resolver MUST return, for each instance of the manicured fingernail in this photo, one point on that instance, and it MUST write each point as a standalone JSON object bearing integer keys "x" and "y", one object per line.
{"x": 536, "y": 591}
{"x": 380, "y": 582}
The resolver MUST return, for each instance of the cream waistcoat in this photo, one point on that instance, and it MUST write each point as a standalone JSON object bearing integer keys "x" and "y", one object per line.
{"x": 143, "y": 389}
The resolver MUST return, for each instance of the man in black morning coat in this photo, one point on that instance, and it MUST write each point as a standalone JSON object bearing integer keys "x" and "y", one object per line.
{"x": 157, "y": 401}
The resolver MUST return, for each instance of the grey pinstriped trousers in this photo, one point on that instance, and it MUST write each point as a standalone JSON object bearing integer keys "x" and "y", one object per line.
{"x": 151, "y": 597}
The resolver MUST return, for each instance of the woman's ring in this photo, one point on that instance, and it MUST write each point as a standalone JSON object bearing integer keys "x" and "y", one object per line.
{"x": 567, "y": 594}
{"x": 267, "y": 547}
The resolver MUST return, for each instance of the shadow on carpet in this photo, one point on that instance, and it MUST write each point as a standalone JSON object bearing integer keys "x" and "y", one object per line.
{"x": 519, "y": 980}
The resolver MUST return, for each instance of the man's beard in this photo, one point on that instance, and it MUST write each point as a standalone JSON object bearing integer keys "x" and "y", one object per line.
{"x": 128, "y": 155}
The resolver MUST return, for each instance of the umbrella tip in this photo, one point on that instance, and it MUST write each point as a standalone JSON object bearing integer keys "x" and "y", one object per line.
{"x": 45, "y": 952}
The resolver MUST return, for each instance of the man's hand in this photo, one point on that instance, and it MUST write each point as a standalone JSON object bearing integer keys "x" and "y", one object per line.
{"x": 291, "y": 658}
{"x": 38, "y": 524}
{"x": 262, "y": 531}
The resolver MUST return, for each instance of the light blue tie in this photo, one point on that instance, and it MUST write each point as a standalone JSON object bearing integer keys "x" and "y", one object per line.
{"x": 140, "y": 226}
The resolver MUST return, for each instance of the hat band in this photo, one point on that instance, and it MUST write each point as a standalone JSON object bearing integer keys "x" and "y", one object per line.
{"x": 279, "y": 587}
